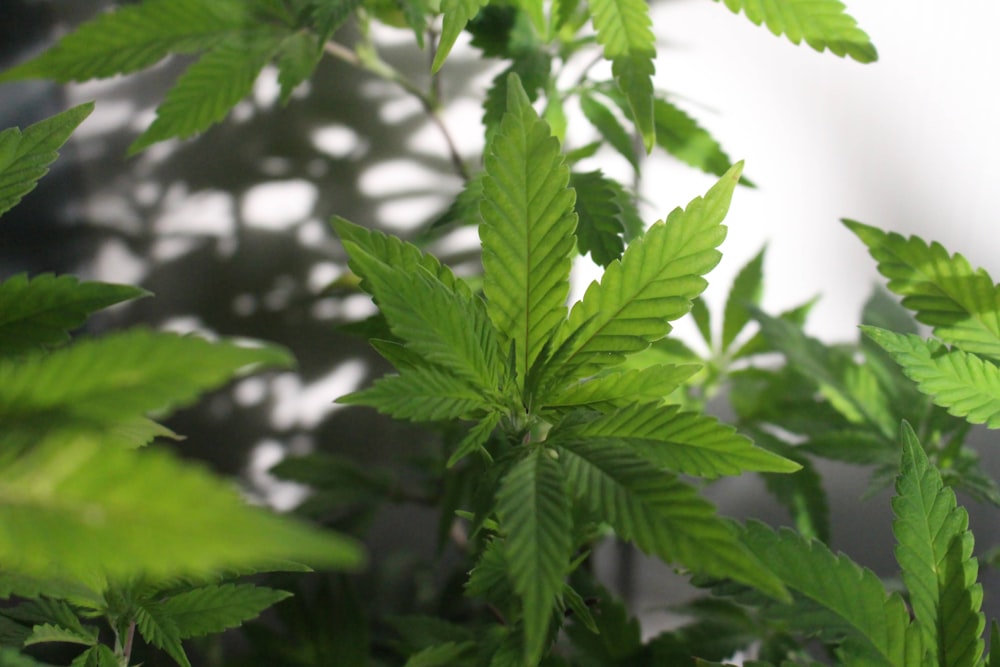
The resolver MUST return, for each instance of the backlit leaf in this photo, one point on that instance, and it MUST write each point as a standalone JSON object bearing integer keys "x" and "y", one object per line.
{"x": 822, "y": 24}
{"x": 26, "y": 155}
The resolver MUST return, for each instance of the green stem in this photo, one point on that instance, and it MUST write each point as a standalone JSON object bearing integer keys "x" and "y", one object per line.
{"x": 367, "y": 59}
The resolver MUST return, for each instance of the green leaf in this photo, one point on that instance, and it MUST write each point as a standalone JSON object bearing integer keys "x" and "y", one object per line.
{"x": 10, "y": 657}
{"x": 83, "y": 511}
{"x": 747, "y": 289}
{"x": 681, "y": 136}
{"x": 623, "y": 29}
{"x": 619, "y": 389}
{"x": 206, "y": 92}
{"x": 135, "y": 37}
{"x": 425, "y": 393}
{"x": 823, "y": 24}
{"x": 962, "y": 304}
{"x": 25, "y": 156}
{"x": 607, "y": 124}
{"x": 41, "y": 312}
{"x": 599, "y": 227}
{"x": 993, "y": 660}
{"x": 160, "y": 631}
{"x": 934, "y": 550}
{"x": 534, "y": 513}
{"x": 456, "y": 14}
{"x": 527, "y": 230}
{"x": 967, "y": 385}
{"x": 299, "y": 55}
{"x": 855, "y": 595}
{"x": 98, "y": 656}
{"x": 441, "y": 655}
{"x": 702, "y": 319}
{"x": 661, "y": 514}
{"x": 48, "y": 632}
{"x": 210, "y": 609}
{"x": 101, "y": 383}
{"x": 476, "y": 438}
{"x": 653, "y": 284}
{"x": 446, "y": 324}
{"x": 328, "y": 15}
{"x": 683, "y": 442}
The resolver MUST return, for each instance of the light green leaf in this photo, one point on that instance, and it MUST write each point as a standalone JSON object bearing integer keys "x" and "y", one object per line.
{"x": 681, "y": 136}
{"x": 210, "y": 609}
{"x": 878, "y": 621}
{"x": 206, "y": 92}
{"x": 934, "y": 550}
{"x": 299, "y": 55}
{"x": 619, "y": 389}
{"x": 599, "y": 228}
{"x": 83, "y": 511}
{"x": 98, "y": 656}
{"x": 823, "y": 24}
{"x": 134, "y": 37}
{"x": 161, "y": 632}
{"x": 456, "y": 14}
{"x": 661, "y": 514}
{"x": 653, "y": 284}
{"x": 747, "y": 289}
{"x": 683, "y": 442}
{"x": 610, "y": 128}
{"x": 425, "y": 393}
{"x": 702, "y": 319}
{"x": 447, "y": 326}
{"x": 624, "y": 30}
{"x": 41, "y": 312}
{"x": 961, "y": 303}
{"x": 967, "y": 385}
{"x": 527, "y": 230}
{"x": 25, "y": 156}
{"x": 48, "y": 632}
{"x": 103, "y": 383}
{"x": 534, "y": 512}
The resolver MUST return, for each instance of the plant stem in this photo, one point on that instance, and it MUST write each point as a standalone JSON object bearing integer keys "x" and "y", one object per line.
{"x": 129, "y": 639}
{"x": 369, "y": 61}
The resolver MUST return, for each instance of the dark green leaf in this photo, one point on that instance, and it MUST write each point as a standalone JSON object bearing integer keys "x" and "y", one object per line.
{"x": 599, "y": 228}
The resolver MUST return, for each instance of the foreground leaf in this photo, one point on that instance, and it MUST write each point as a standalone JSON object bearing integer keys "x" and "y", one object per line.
{"x": 212, "y": 609}
{"x": 84, "y": 511}
{"x": 25, "y": 156}
{"x": 527, "y": 230}
{"x": 653, "y": 284}
{"x": 534, "y": 512}
{"x": 934, "y": 550}
{"x": 944, "y": 291}
{"x": 823, "y": 24}
{"x": 457, "y": 13}
{"x": 967, "y": 385}
{"x": 660, "y": 513}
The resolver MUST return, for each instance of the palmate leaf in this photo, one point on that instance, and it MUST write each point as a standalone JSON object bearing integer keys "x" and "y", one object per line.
{"x": 966, "y": 385}
{"x": 653, "y": 284}
{"x": 683, "y": 442}
{"x": 534, "y": 513}
{"x": 660, "y": 514}
{"x": 104, "y": 383}
{"x": 878, "y": 621}
{"x": 624, "y": 30}
{"x": 134, "y": 37}
{"x": 527, "y": 230}
{"x": 84, "y": 511}
{"x": 944, "y": 291}
{"x": 47, "y": 632}
{"x": 210, "y": 609}
{"x": 600, "y": 227}
{"x": 618, "y": 389}
{"x": 160, "y": 631}
{"x": 206, "y": 92}
{"x": 424, "y": 393}
{"x": 447, "y": 326}
{"x": 822, "y": 24}
{"x": 41, "y": 311}
{"x": 25, "y": 155}
{"x": 456, "y": 14}
{"x": 934, "y": 551}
